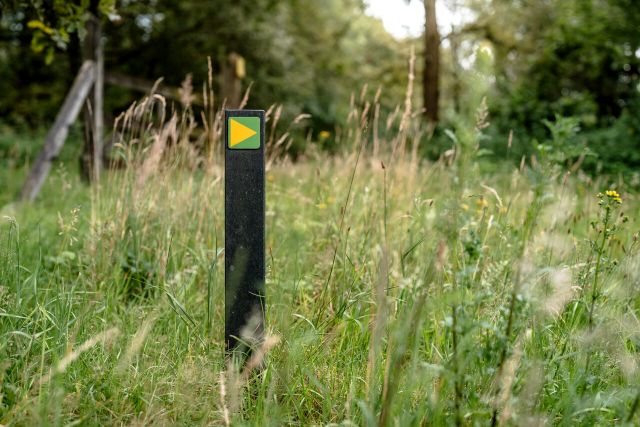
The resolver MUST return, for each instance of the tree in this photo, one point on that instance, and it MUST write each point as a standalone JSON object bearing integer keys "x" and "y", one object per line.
{"x": 307, "y": 58}
{"x": 431, "y": 71}
{"x": 566, "y": 57}
{"x": 60, "y": 25}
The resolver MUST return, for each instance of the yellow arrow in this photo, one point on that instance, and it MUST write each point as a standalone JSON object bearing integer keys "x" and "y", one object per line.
{"x": 239, "y": 133}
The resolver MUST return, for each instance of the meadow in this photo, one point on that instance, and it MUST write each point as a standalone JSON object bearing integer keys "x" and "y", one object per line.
{"x": 400, "y": 291}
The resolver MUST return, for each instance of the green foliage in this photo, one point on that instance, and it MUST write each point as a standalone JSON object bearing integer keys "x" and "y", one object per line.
{"x": 563, "y": 145}
{"x": 618, "y": 144}
{"x": 58, "y": 20}
{"x": 297, "y": 54}
{"x": 569, "y": 58}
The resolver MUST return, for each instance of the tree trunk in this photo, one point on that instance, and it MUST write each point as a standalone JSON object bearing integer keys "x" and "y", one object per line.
{"x": 92, "y": 152}
{"x": 431, "y": 72}
{"x": 457, "y": 84}
{"x": 231, "y": 85}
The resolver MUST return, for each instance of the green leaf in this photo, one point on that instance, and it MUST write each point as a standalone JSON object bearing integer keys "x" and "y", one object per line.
{"x": 39, "y": 25}
{"x": 48, "y": 58}
{"x": 38, "y": 43}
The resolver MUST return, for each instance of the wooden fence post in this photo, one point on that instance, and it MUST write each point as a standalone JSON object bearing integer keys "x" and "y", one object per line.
{"x": 92, "y": 152}
{"x": 58, "y": 133}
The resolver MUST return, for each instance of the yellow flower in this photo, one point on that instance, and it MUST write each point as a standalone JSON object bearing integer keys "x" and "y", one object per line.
{"x": 324, "y": 134}
{"x": 482, "y": 203}
{"x": 614, "y": 195}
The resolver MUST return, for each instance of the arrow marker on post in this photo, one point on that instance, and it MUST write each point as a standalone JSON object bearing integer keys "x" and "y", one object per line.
{"x": 241, "y": 129}
{"x": 244, "y": 229}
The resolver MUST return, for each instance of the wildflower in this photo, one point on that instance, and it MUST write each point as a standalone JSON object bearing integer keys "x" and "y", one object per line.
{"x": 482, "y": 203}
{"x": 612, "y": 195}
{"x": 608, "y": 227}
{"x": 324, "y": 134}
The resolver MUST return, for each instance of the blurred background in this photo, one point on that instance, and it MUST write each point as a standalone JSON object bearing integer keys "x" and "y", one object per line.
{"x": 541, "y": 60}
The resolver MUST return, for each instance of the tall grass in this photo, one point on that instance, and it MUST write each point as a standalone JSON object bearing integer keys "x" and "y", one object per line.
{"x": 400, "y": 291}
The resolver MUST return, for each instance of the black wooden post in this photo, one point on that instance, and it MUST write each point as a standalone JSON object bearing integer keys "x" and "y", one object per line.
{"x": 244, "y": 229}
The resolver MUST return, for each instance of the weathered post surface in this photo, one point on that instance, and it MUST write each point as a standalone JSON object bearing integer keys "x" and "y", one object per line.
{"x": 93, "y": 150}
{"x": 58, "y": 133}
{"x": 244, "y": 229}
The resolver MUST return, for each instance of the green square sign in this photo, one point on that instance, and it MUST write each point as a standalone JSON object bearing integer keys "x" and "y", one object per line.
{"x": 243, "y": 133}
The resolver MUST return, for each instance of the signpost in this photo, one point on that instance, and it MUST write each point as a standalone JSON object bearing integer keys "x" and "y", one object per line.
{"x": 244, "y": 229}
